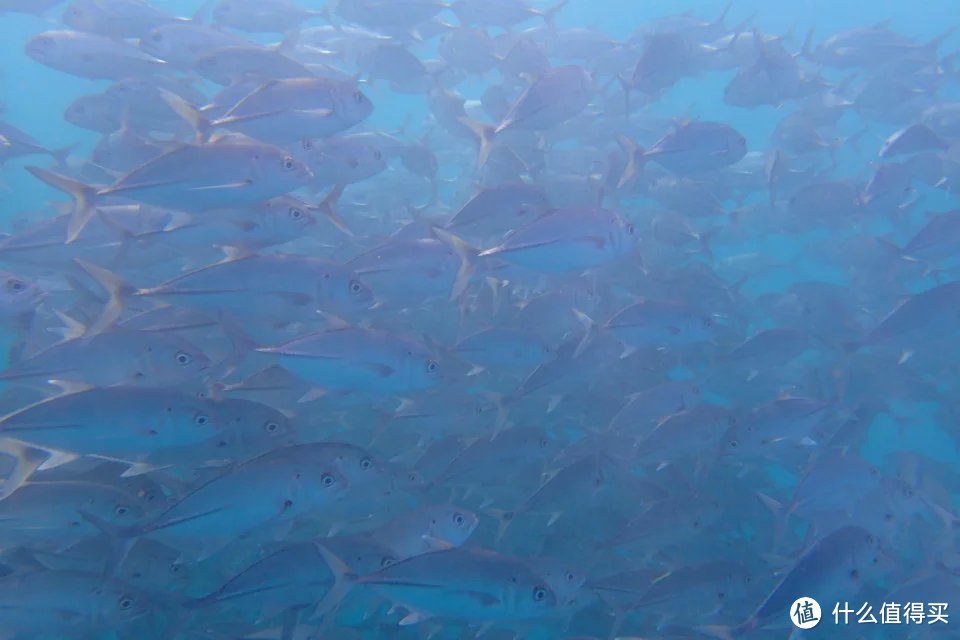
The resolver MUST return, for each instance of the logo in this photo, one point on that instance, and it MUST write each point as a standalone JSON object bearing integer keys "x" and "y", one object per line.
{"x": 805, "y": 613}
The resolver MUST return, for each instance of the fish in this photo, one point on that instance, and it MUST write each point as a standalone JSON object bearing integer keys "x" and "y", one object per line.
{"x": 216, "y": 175}
{"x": 691, "y": 147}
{"x": 466, "y": 584}
{"x": 288, "y": 110}
{"x": 115, "y": 357}
{"x": 912, "y": 139}
{"x": 557, "y": 96}
{"x": 37, "y": 512}
{"x": 301, "y": 285}
{"x": 234, "y": 63}
{"x": 89, "y": 55}
{"x": 278, "y": 17}
{"x": 45, "y": 600}
{"x": 182, "y": 43}
{"x": 273, "y": 488}
{"x": 115, "y": 18}
{"x": 566, "y": 240}
{"x": 837, "y": 564}
{"x": 365, "y": 360}
{"x": 475, "y": 318}
{"x": 134, "y": 425}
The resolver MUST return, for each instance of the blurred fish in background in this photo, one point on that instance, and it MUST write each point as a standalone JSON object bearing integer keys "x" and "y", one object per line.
{"x": 362, "y": 319}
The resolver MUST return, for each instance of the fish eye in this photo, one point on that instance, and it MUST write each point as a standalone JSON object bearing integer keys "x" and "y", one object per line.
{"x": 539, "y": 594}
{"x": 631, "y": 229}
{"x": 288, "y": 163}
{"x": 183, "y": 358}
{"x": 327, "y": 480}
{"x": 869, "y": 538}
{"x": 175, "y": 568}
{"x": 570, "y": 577}
{"x": 355, "y": 287}
{"x": 721, "y": 595}
{"x": 121, "y": 510}
{"x": 543, "y": 443}
{"x": 733, "y": 444}
{"x": 707, "y": 323}
{"x": 386, "y": 561}
{"x": 295, "y": 213}
{"x": 432, "y": 366}
{"x": 377, "y": 154}
{"x": 458, "y": 519}
{"x": 271, "y": 427}
{"x": 125, "y": 602}
{"x": 747, "y": 580}
{"x": 201, "y": 419}
{"x": 306, "y": 144}
{"x": 366, "y": 463}
{"x": 358, "y": 97}
{"x": 15, "y": 285}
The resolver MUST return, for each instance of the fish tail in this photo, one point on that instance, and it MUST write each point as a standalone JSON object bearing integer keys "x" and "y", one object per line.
{"x": 200, "y": 124}
{"x": 61, "y": 154}
{"x": 550, "y": 15}
{"x": 723, "y": 14}
{"x": 935, "y": 43}
{"x": 635, "y": 161}
{"x": 27, "y": 460}
{"x": 781, "y": 515}
{"x": 119, "y": 292}
{"x": 241, "y": 344}
{"x": 486, "y": 134}
{"x": 329, "y": 207}
{"x": 895, "y": 250}
{"x": 83, "y": 195}
{"x": 590, "y": 330}
{"x": 467, "y": 255}
{"x": 122, "y": 540}
{"x": 344, "y": 578}
{"x": 719, "y": 631}
{"x": 807, "y": 50}
{"x": 202, "y": 14}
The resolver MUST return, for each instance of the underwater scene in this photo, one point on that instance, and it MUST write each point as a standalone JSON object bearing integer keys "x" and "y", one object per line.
{"x": 479, "y": 319}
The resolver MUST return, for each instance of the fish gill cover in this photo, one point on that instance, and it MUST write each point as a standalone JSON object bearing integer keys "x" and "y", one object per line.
{"x": 495, "y": 319}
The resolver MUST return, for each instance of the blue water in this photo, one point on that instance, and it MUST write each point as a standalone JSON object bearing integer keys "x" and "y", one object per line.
{"x": 667, "y": 491}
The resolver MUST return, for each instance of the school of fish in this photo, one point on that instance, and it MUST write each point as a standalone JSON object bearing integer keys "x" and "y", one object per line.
{"x": 544, "y": 362}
